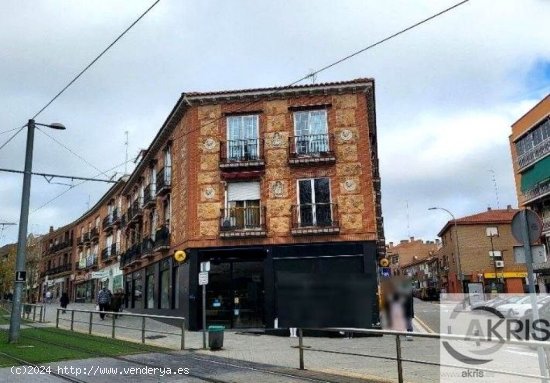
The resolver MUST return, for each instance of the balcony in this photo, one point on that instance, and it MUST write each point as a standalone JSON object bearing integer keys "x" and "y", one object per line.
{"x": 149, "y": 196}
{"x": 80, "y": 242}
{"x": 131, "y": 256}
{"x": 108, "y": 223}
{"x": 115, "y": 217}
{"x": 540, "y": 190}
{"x": 318, "y": 218}
{"x": 60, "y": 246}
{"x": 164, "y": 180}
{"x": 243, "y": 222}
{"x": 86, "y": 238}
{"x": 147, "y": 247}
{"x": 311, "y": 149}
{"x": 135, "y": 212}
{"x": 534, "y": 154}
{"x": 94, "y": 234}
{"x": 162, "y": 239}
{"x": 91, "y": 261}
{"x": 239, "y": 154}
{"x": 59, "y": 269}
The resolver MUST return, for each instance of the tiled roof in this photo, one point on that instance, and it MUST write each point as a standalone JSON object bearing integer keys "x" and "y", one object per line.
{"x": 486, "y": 217}
{"x": 357, "y": 81}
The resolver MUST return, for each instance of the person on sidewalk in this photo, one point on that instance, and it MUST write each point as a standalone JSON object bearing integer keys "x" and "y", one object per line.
{"x": 64, "y": 301}
{"x": 104, "y": 300}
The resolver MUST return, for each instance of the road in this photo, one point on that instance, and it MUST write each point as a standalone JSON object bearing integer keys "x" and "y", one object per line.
{"x": 427, "y": 314}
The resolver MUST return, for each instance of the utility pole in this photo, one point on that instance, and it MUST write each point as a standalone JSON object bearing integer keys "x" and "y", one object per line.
{"x": 20, "y": 272}
{"x": 15, "y": 320}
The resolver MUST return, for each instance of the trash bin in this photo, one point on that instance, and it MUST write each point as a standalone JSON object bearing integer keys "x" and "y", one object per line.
{"x": 215, "y": 337}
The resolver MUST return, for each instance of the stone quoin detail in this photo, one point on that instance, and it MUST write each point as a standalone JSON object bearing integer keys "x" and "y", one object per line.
{"x": 346, "y": 135}
{"x": 209, "y": 143}
{"x": 350, "y": 185}
{"x": 278, "y": 189}
{"x": 209, "y": 192}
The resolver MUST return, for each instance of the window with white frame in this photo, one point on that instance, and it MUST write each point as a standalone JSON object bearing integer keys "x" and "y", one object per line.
{"x": 242, "y": 138}
{"x": 314, "y": 202}
{"x": 491, "y": 231}
{"x": 242, "y": 206}
{"x": 311, "y": 132}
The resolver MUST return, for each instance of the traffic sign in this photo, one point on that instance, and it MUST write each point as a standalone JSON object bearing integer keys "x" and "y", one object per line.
{"x": 203, "y": 278}
{"x": 205, "y": 266}
{"x": 385, "y": 272}
{"x": 538, "y": 252}
{"x": 20, "y": 276}
{"x": 534, "y": 226}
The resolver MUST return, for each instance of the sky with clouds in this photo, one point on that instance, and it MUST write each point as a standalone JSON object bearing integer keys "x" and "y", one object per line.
{"x": 446, "y": 92}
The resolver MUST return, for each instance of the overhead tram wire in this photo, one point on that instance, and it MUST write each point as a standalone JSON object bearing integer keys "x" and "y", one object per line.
{"x": 76, "y": 185}
{"x": 95, "y": 59}
{"x": 71, "y": 151}
{"x": 12, "y": 137}
{"x": 9, "y": 130}
{"x": 333, "y": 64}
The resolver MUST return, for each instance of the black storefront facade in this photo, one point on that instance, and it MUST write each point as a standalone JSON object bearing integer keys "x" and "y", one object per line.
{"x": 242, "y": 289}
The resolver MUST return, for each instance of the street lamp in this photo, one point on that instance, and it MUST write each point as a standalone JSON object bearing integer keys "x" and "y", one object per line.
{"x": 457, "y": 252}
{"x": 20, "y": 273}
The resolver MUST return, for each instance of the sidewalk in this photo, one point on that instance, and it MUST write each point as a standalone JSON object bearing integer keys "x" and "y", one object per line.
{"x": 274, "y": 350}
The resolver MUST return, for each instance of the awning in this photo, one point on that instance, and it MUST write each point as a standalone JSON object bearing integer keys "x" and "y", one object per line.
{"x": 536, "y": 174}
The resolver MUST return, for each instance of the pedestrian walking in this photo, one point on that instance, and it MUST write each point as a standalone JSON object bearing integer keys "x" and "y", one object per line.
{"x": 104, "y": 300}
{"x": 64, "y": 301}
{"x": 48, "y": 296}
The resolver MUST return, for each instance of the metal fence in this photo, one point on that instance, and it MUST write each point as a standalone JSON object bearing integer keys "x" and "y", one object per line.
{"x": 114, "y": 315}
{"x": 399, "y": 359}
{"x": 28, "y": 310}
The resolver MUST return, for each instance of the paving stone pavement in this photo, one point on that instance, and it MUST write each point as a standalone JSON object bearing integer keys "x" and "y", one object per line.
{"x": 275, "y": 350}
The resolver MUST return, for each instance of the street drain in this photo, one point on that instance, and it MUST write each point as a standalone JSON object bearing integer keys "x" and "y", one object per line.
{"x": 155, "y": 336}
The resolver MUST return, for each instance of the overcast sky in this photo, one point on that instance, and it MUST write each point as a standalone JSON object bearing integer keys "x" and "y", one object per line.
{"x": 446, "y": 92}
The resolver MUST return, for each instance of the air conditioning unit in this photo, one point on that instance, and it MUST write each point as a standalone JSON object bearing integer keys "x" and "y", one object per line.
{"x": 499, "y": 263}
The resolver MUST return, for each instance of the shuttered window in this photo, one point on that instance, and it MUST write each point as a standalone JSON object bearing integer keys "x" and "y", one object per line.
{"x": 243, "y": 191}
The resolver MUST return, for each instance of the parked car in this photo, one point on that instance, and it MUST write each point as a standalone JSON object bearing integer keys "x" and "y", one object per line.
{"x": 492, "y": 304}
{"x": 523, "y": 309}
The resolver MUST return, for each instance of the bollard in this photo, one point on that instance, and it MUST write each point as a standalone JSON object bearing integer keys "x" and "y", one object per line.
{"x": 34, "y": 313}
{"x": 44, "y": 314}
{"x": 301, "y": 348}
{"x": 113, "y": 327}
{"x": 399, "y": 362}
{"x": 90, "y": 325}
{"x": 142, "y": 329}
{"x": 57, "y": 319}
{"x": 182, "y": 347}
{"x": 72, "y": 319}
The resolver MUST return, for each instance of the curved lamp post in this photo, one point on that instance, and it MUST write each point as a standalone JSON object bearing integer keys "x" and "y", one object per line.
{"x": 457, "y": 252}
{"x": 20, "y": 272}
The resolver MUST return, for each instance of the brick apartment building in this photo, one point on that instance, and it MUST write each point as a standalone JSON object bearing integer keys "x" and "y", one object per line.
{"x": 485, "y": 245}
{"x": 408, "y": 251}
{"x": 530, "y": 147}
{"x": 57, "y": 264}
{"x": 257, "y": 182}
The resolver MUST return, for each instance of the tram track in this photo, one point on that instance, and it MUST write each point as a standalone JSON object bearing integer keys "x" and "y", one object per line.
{"x": 191, "y": 355}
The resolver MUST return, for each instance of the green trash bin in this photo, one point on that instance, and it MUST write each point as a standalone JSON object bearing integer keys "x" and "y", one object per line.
{"x": 215, "y": 337}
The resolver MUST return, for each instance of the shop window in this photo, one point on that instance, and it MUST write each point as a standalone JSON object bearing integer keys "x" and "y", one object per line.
{"x": 165, "y": 284}
{"x": 150, "y": 287}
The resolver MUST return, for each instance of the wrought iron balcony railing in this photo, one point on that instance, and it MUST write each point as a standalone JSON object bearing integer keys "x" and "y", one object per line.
{"x": 312, "y": 148}
{"x": 149, "y": 196}
{"x": 164, "y": 180}
{"x": 107, "y": 222}
{"x": 540, "y": 190}
{"x": 534, "y": 154}
{"x": 162, "y": 239}
{"x": 241, "y": 153}
{"x": 316, "y": 218}
{"x": 243, "y": 222}
{"x": 59, "y": 269}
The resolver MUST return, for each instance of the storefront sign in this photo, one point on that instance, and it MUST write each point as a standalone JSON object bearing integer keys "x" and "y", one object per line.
{"x": 508, "y": 274}
{"x": 99, "y": 274}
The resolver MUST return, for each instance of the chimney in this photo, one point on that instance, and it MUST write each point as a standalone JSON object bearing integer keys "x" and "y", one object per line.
{"x": 489, "y": 208}
{"x": 391, "y": 244}
{"x": 509, "y": 207}
{"x": 51, "y": 229}
{"x": 437, "y": 241}
{"x": 412, "y": 239}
